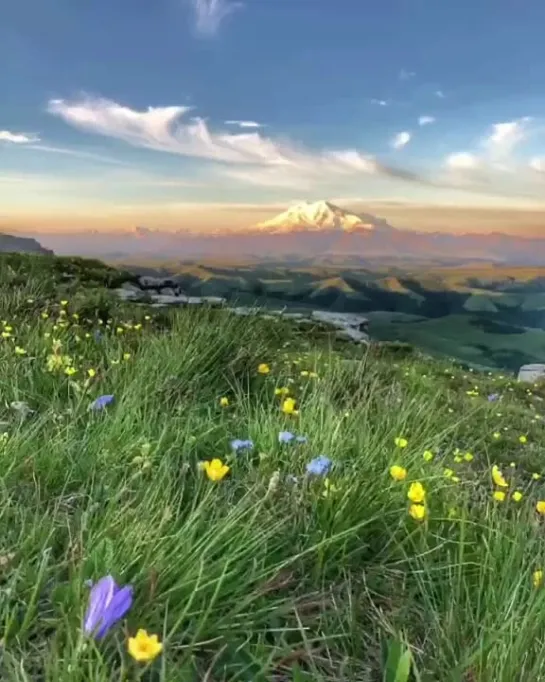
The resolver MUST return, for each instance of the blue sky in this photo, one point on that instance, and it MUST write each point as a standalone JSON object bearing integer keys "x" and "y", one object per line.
{"x": 113, "y": 105}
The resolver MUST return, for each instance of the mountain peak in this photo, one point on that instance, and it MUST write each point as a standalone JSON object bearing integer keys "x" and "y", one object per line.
{"x": 320, "y": 216}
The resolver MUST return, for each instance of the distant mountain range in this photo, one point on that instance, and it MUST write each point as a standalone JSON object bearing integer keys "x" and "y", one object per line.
{"x": 314, "y": 233}
{"x": 12, "y": 243}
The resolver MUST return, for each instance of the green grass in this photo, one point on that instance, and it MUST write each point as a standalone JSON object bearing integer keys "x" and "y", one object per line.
{"x": 243, "y": 580}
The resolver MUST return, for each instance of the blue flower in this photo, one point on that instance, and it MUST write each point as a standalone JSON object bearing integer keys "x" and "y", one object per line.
{"x": 493, "y": 397}
{"x": 238, "y": 445}
{"x": 97, "y": 335}
{"x": 288, "y": 437}
{"x": 319, "y": 466}
{"x": 102, "y": 402}
{"x": 108, "y": 603}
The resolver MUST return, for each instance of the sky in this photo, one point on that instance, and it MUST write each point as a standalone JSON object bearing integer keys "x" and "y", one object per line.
{"x": 214, "y": 114}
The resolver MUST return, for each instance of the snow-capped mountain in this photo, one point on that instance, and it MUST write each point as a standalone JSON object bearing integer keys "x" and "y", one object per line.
{"x": 319, "y": 216}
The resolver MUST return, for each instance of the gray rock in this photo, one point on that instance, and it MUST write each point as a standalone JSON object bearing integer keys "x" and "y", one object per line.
{"x": 149, "y": 282}
{"x": 129, "y": 286}
{"x": 167, "y": 291}
{"x": 341, "y": 320}
{"x": 531, "y": 373}
{"x": 182, "y": 299}
{"x": 214, "y": 300}
{"x": 351, "y": 334}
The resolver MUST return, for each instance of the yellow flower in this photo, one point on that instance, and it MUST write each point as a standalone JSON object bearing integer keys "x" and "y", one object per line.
{"x": 417, "y": 511}
{"x": 119, "y": 330}
{"x": 19, "y": 350}
{"x": 449, "y": 473}
{"x": 536, "y": 476}
{"x": 44, "y": 315}
{"x": 498, "y": 478}
{"x": 216, "y": 470}
{"x": 281, "y": 391}
{"x": 537, "y": 578}
{"x": 398, "y": 473}
{"x": 401, "y": 442}
{"x": 70, "y": 371}
{"x": 224, "y": 402}
{"x": 126, "y": 356}
{"x": 329, "y": 488}
{"x": 468, "y": 457}
{"x": 288, "y": 406}
{"x": 263, "y": 368}
{"x": 64, "y": 303}
{"x": 91, "y": 372}
{"x": 540, "y": 507}
{"x": 496, "y": 435}
{"x": 417, "y": 493}
{"x": 305, "y": 373}
{"x": 516, "y": 496}
{"x": 499, "y": 495}
{"x": 523, "y": 439}
{"x": 144, "y": 647}
{"x": 458, "y": 459}
{"x": 428, "y": 455}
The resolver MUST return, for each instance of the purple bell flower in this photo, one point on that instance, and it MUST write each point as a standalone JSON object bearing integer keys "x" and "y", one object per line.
{"x": 319, "y": 466}
{"x": 285, "y": 437}
{"x": 240, "y": 445}
{"x": 108, "y": 603}
{"x": 101, "y": 402}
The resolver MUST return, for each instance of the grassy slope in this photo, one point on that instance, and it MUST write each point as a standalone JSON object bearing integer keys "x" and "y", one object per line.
{"x": 242, "y": 582}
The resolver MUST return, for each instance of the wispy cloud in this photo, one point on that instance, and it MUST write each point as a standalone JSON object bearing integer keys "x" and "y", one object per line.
{"x": 537, "y": 164}
{"x": 405, "y": 75}
{"x": 440, "y": 94}
{"x": 425, "y": 120}
{"x": 462, "y": 161}
{"x": 210, "y": 14}
{"x": 78, "y": 153}
{"x": 252, "y": 158}
{"x": 401, "y": 139}
{"x": 248, "y": 157}
{"x": 380, "y": 102}
{"x": 494, "y": 150}
{"x": 504, "y": 137}
{"x": 244, "y": 124}
{"x": 18, "y": 138}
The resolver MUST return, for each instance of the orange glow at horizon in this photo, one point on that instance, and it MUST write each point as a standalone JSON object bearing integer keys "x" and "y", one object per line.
{"x": 203, "y": 218}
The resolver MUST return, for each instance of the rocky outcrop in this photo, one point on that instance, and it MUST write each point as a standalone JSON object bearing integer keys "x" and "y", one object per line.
{"x": 531, "y": 373}
{"x": 11, "y": 243}
{"x": 163, "y": 292}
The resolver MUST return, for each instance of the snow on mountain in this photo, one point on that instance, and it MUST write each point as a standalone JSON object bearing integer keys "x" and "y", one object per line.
{"x": 320, "y": 216}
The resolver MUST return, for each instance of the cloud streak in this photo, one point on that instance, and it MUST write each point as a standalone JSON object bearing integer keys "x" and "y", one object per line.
{"x": 401, "y": 140}
{"x": 425, "y": 120}
{"x": 210, "y": 14}
{"x": 18, "y": 138}
{"x": 252, "y": 158}
{"x": 244, "y": 124}
{"x": 249, "y": 157}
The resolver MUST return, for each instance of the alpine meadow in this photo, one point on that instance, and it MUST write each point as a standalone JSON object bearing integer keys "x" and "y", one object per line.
{"x": 191, "y": 495}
